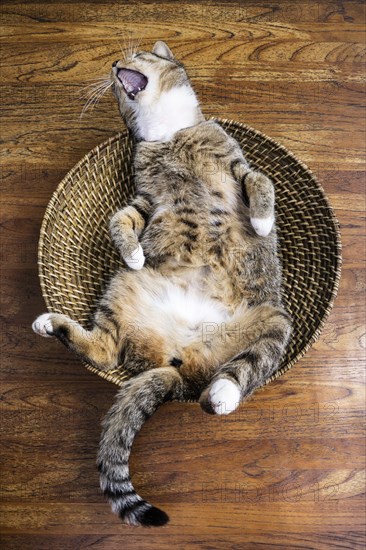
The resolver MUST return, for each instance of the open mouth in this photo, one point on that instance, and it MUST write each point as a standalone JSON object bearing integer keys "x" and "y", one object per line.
{"x": 132, "y": 81}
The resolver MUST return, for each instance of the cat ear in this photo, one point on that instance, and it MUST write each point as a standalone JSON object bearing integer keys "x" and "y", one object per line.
{"x": 160, "y": 48}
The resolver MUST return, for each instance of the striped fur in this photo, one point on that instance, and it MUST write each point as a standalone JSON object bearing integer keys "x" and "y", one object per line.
{"x": 136, "y": 402}
{"x": 198, "y": 312}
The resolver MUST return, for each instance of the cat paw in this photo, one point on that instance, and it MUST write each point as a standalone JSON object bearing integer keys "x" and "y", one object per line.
{"x": 222, "y": 397}
{"x": 135, "y": 260}
{"x": 262, "y": 226}
{"x": 43, "y": 325}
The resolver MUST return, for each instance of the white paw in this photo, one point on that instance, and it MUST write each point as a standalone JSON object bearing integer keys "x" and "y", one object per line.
{"x": 137, "y": 259}
{"x": 43, "y": 326}
{"x": 224, "y": 396}
{"x": 262, "y": 226}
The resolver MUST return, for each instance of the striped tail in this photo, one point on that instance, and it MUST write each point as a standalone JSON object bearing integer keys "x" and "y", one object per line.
{"x": 137, "y": 400}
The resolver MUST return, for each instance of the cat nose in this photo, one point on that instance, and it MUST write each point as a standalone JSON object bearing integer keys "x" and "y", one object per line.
{"x": 114, "y": 63}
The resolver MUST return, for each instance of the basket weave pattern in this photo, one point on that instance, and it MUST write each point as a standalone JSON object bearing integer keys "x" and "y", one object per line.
{"x": 77, "y": 257}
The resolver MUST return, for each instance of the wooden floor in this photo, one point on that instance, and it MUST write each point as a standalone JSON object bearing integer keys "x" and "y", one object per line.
{"x": 287, "y": 470}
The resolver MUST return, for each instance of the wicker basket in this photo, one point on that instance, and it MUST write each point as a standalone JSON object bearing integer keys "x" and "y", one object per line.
{"x": 77, "y": 258}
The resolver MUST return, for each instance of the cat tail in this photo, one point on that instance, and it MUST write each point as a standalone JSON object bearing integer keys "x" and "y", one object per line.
{"x": 136, "y": 401}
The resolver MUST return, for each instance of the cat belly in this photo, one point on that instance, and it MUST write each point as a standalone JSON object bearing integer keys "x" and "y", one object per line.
{"x": 179, "y": 313}
{"x": 175, "y": 322}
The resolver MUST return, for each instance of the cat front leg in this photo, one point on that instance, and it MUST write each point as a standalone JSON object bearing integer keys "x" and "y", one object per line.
{"x": 260, "y": 192}
{"x": 125, "y": 228}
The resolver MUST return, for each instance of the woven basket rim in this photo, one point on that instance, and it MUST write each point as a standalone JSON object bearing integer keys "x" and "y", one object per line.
{"x": 264, "y": 138}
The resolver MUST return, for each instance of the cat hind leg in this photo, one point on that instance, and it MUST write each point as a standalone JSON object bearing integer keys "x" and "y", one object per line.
{"x": 98, "y": 346}
{"x": 239, "y": 377}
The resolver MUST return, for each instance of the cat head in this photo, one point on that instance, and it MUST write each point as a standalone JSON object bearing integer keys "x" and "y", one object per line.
{"x": 154, "y": 94}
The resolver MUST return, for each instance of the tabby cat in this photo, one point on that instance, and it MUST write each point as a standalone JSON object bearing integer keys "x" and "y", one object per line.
{"x": 196, "y": 312}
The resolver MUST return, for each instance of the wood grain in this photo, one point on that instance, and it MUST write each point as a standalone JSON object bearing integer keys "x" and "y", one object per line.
{"x": 287, "y": 469}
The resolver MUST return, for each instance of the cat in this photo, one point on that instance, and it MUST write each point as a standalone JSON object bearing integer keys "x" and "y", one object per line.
{"x": 196, "y": 313}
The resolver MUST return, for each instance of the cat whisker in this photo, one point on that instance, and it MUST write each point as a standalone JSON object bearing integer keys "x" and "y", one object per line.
{"x": 95, "y": 97}
{"x": 135, "y": 45}
{"x": 97, "y": 87}
{"x": 96, "y": 82}
{"x": 130, "y": 47}
{"x": 123, "y": 48}
{"x": 103, "y": 77}
{"x": 94, "y": 93}
{"x": 120, "y": 47}
{"x": 91, "y": 88}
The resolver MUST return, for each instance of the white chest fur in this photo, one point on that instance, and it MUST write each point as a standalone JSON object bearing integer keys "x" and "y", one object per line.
{"x": 174, "y": 110}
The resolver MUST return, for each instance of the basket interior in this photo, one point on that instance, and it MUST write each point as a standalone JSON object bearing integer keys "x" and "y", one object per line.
{"x": 77, "y": 258}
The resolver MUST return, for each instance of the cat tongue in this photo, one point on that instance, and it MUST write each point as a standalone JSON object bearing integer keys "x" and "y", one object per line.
{"x": 132, "y": 81}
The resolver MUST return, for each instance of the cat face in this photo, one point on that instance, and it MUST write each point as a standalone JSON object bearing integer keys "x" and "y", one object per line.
{"x": 154, "y": 94}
